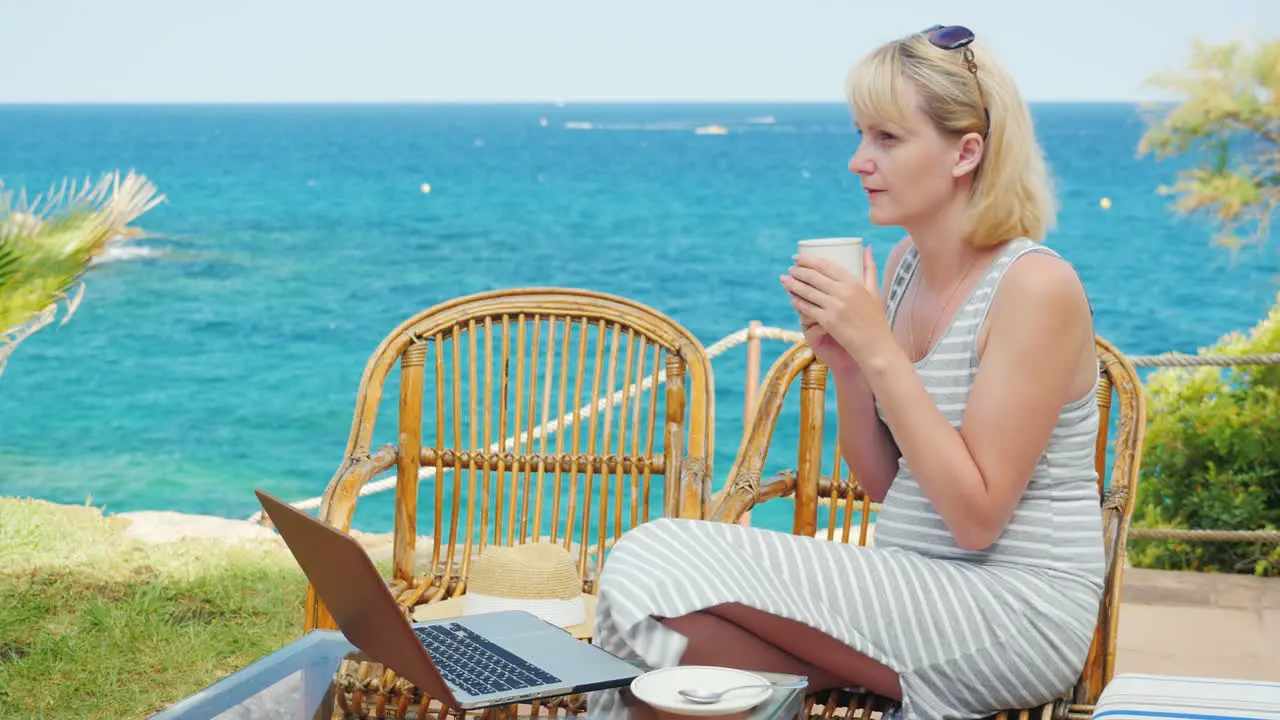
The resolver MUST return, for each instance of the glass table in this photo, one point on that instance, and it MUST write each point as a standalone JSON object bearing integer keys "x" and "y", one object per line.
{"x": 296, "y": 682}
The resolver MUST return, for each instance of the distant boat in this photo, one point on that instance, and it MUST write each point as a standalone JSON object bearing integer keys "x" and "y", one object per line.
{"x": 712, "y": 130}
{"x": 762, "y": 120}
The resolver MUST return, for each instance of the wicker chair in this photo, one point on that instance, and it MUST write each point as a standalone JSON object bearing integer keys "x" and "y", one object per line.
{"x": 841, "y": 500}
{"x": 496, "y": 373}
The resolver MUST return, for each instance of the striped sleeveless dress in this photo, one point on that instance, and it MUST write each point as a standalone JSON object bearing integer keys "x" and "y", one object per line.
{"x": 968, "y": 632}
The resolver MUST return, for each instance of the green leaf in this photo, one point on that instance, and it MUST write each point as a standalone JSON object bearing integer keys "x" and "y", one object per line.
{"x": 1228, "y": 111}
{"x": 47, "y": 244}
{"x": 1210, "y": 459}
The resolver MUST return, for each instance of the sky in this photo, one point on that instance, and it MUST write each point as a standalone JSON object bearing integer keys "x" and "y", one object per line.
{"x": 68, "y": 51}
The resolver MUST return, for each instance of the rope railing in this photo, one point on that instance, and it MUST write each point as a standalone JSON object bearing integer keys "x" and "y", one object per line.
{"x": 1182, "y": 360}
{"x": 1260, "y": 536}
{"x": 766, "y": 332}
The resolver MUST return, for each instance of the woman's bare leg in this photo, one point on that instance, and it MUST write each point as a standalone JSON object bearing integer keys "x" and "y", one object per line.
{"x": 848, "y": 666}
{"x": 714, "y": 640}
{"x": 739, "y": 636}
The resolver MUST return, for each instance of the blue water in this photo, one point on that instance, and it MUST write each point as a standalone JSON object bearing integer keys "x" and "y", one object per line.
{"x": 225, "y": 352}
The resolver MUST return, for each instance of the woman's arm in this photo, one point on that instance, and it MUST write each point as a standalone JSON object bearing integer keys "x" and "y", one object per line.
{"x": 865, "y": 441}
{"x": 1039, "y": 334}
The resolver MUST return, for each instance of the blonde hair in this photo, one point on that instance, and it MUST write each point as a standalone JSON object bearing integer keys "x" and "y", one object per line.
{"x": 1012, "y": 195}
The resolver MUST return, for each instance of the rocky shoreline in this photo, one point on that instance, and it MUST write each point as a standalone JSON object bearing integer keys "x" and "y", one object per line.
{"x": 161, "y": 526}
{"x": 166, "y": 526}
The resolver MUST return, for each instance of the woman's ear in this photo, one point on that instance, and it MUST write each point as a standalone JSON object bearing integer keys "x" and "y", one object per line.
{"x": 971, "y": 149}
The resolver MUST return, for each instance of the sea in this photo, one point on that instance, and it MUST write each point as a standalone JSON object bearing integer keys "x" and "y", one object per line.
{"x": 223, "y": 351}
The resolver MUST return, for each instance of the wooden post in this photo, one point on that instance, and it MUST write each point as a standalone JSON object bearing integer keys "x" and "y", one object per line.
{"x": 680, "y": 501}
{"x": 813, "y": 386}
{"x": 752, "y": 384}
{"x": 751, "y": 387}
{"x": 408, "y": 462}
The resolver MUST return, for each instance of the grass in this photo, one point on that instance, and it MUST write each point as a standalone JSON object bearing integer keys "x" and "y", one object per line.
{"x": 94, "y": 624}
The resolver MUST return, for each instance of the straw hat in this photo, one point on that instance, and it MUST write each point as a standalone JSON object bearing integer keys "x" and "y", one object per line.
{"x": 539, "y": 578}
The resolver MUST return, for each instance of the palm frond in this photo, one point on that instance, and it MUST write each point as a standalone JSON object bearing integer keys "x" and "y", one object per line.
{"x": 48, "y": 242}
{"x": 9, "y": 262}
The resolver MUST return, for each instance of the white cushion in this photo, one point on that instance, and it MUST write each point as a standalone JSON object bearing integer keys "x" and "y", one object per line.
{"x": 1136, "y": 696}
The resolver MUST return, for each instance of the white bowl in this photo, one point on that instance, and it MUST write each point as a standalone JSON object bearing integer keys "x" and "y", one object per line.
{"x": 658, "y": 688}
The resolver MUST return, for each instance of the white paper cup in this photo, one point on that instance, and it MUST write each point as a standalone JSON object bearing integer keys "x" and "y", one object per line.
{"x": 845, "y": 251}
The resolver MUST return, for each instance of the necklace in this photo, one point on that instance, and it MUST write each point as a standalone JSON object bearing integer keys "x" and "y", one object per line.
{"x": 911, "y": 326}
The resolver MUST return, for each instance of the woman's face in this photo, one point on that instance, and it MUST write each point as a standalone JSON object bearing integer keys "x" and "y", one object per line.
{"x": 910, "y": 171}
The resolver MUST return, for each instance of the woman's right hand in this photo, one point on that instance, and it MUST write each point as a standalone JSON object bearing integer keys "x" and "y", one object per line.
{"x": 826, "y": 349}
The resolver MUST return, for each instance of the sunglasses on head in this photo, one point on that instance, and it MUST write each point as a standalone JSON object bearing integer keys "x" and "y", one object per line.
{"x": 958, "y": 37}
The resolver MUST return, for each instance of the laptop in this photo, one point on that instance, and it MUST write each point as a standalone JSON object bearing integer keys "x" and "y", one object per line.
{"x": 472, "y": 661}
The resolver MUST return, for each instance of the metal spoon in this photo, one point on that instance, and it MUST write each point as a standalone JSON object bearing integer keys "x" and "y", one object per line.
{"x": 712, "y": 696}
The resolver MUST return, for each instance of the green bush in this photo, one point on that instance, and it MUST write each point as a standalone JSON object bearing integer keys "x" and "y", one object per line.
{"x": 1213, "y": 459}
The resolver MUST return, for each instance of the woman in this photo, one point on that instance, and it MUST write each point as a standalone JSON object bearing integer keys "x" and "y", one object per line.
{"x": 966, "y": 406}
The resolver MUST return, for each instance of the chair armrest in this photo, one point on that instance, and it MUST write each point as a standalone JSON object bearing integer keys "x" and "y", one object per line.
{"x": 745, "y": 489}
{"x": 338, "y": 505}
{"x": 747, "y": 492}
{"x": 695, "y": 488}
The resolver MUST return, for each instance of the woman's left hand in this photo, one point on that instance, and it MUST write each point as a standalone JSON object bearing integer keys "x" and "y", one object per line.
{"x": 850, "y": 309}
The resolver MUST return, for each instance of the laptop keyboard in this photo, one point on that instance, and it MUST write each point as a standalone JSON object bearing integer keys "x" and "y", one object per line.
{"x": 469, "y": 661}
